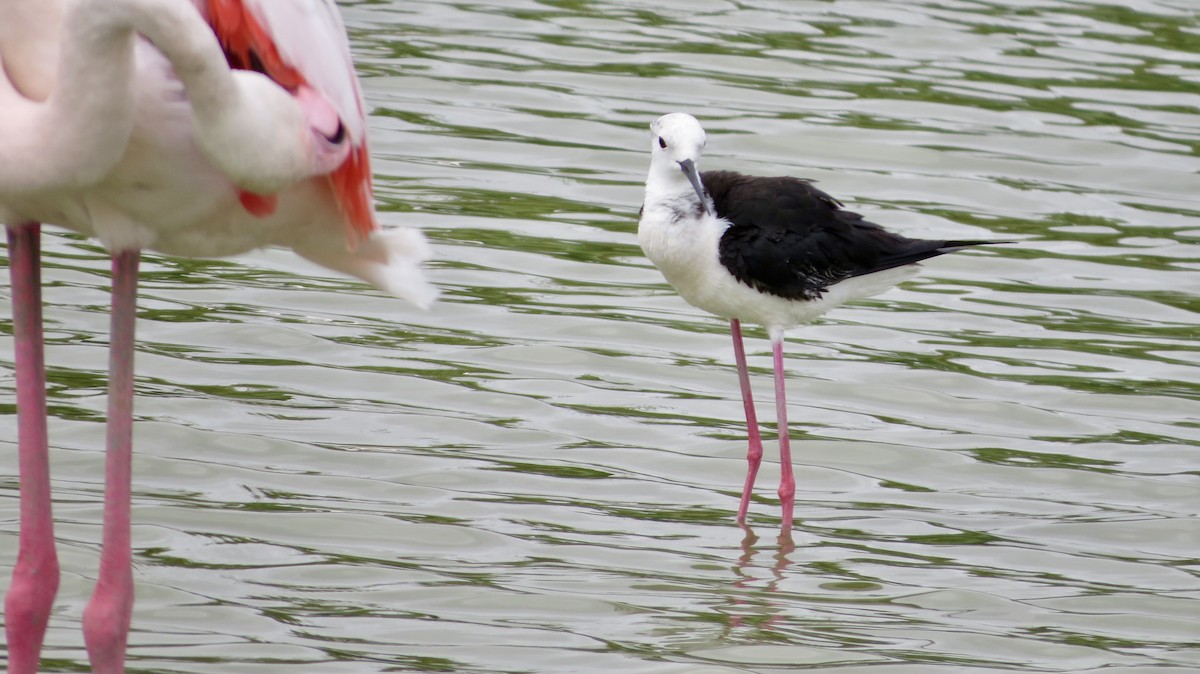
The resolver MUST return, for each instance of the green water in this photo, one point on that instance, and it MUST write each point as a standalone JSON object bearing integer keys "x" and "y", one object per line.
{"x": 997, "y": 462}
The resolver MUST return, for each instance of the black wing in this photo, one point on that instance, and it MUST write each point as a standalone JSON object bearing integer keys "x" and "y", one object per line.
{"x": 790, "y": 239}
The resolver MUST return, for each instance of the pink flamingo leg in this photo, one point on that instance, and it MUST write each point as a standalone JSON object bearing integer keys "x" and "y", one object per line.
{"x": 107, "y": 616}
{"x": 787, "y": 480}
{"x": 35, "y": 576}
{"x": 755, "y": 451}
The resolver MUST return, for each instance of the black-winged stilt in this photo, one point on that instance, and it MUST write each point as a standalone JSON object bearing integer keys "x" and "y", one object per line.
{"x": 775, "y": 251}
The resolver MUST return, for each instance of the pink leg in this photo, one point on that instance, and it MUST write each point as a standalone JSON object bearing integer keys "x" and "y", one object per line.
{"x": 787, "y": 480}
{"x": 755, "y": 451}
{"x": 35, "y": 576}
{"x": 106, "y": 619}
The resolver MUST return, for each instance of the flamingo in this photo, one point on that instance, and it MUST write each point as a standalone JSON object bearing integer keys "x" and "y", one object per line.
{"x": 774, "y": 251}
{"x": 203, "y": 128}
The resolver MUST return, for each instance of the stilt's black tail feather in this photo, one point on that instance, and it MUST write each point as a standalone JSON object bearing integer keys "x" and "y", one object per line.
{"x": 911, "y": 251}
{"x": 953, "y": 246}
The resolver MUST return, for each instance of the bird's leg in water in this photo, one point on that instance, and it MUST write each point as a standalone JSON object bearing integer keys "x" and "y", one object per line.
{"x": 754, "y": 450}
{"x": 787, "y": 481}
{"x": 35, "y": 575}
{"x": 107, "y": 617}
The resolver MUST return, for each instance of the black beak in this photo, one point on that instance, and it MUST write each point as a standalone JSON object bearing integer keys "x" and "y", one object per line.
{"x": 689, "y": 169}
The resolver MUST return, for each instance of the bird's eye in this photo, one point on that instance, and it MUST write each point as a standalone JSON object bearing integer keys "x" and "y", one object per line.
{"x": 661, "y": 143}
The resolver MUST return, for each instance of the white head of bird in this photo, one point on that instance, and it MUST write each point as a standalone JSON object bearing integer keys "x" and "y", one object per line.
{"x": 676, "y": 143}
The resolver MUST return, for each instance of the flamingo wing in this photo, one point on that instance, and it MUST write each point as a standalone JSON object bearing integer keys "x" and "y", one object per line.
{"x": 301, "y": 45}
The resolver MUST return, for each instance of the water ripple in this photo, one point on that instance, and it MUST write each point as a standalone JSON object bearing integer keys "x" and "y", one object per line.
{"x": 996, "y": 462}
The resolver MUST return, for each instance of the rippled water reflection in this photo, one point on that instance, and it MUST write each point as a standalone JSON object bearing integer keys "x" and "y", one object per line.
{"x": 997, "y": 462}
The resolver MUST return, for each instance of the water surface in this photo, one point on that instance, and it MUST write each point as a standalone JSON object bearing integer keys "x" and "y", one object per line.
{"x": 997, "y": 462}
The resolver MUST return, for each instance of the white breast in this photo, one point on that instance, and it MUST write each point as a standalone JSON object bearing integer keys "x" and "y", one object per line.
{"x": 685, "y": 250}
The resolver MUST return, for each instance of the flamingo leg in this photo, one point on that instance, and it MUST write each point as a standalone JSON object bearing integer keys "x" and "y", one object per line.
{"x": 35, "y": 575}
{"x": 787, "y": 480}
{"x": 754, "y": 451}
{"x": 107, "y": 616}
